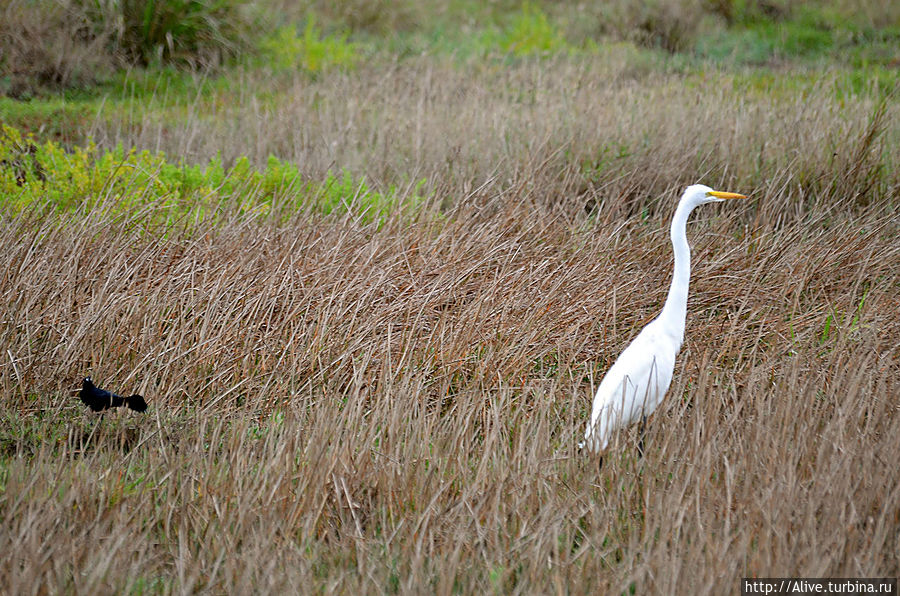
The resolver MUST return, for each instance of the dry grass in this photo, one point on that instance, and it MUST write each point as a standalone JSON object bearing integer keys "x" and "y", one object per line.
{"x": 609, "y": 129}
{"x": 339, "y": 407}
{"x": 46, "y": 46}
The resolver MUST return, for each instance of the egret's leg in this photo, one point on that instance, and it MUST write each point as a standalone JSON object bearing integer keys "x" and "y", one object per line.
{"x": 641, "y": 435}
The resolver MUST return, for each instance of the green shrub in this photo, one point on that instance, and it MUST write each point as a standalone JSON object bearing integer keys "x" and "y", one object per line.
{"x": 46, "y": 174}
{"x": 344, "y": 193}
{"x": 198, "y": 33}
{"x": 311, "y": 51}
{"x": 531, "y": 32}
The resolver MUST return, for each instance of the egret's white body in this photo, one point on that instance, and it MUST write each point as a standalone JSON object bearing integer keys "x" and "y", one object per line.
{"x": 636, "y": 383}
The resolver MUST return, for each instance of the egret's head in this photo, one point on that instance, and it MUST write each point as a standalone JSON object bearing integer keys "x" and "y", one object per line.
{"x": 700, "y": 194}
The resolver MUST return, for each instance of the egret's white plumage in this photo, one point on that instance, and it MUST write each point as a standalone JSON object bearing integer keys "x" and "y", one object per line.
{"x": 640, "y": 376}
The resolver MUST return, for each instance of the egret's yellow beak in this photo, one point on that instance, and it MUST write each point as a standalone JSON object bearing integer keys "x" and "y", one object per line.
{"x": 725, "y": 195}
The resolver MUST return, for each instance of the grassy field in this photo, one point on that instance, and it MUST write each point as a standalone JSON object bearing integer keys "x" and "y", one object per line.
{"x": 369, "y": 276}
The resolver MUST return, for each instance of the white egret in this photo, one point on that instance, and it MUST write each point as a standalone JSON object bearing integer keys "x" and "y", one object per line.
{"x": 637, "y": 381}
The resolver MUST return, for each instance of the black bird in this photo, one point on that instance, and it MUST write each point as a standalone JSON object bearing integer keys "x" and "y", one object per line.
{"x": 99, "y": 399}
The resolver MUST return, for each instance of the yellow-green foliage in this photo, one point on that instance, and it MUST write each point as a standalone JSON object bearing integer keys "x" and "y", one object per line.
{"x": 66, "y": 180}
{"x": 531, "y": 32}
{"x": 527, "y": 32}
{"x": 310, "y": 51}
{"x": 47, "y": 174}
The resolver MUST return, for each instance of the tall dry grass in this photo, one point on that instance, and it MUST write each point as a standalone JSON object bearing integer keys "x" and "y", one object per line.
{"x": 395, "y": 409}
{"x": 609, "y": 129}
{"x": 340, "y": 407}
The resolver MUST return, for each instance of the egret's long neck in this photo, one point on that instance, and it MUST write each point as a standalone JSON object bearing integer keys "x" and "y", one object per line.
{"x": 675, "y": 310}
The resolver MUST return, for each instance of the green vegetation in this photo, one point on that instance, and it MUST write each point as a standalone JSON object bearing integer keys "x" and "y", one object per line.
{"x": 311, "y": 52}
{"x": 368, "y": 260}
{"x": 192, "y": 32}
{"x": 530, "y": 32}
{"x": 49, "y": 176}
